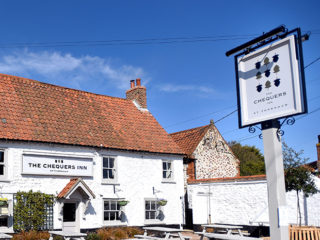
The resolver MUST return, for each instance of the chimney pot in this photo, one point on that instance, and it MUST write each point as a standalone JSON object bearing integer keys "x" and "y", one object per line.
{"x": 318, "y": 138}
{"x": 131, "y": 83}
{"x": 138, "y": 82}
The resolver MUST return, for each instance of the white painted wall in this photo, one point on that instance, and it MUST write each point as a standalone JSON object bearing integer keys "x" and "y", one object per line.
{"x": 137, "y": 172}
{"x": 245, "y": 203}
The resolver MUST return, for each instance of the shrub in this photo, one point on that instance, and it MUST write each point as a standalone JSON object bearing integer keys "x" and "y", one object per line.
{"x": 56, "y": 237}
{"x": 93, "y": 236}
{"x": 131, "y": 231}
{"x": 119, "y": 233}
{"x": 114, "y": 233}
{"x": 31, "y": 235}
{"x": 30, "y": 210}
{"x": 104, "y": 234}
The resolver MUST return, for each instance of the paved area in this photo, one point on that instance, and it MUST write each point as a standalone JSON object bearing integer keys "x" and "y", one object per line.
{"x": 191, "y": 234}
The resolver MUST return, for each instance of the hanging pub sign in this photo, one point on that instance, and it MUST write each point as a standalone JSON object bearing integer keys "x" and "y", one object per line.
{"x": 269, "y": 83}
{"x": 35, "y": 164}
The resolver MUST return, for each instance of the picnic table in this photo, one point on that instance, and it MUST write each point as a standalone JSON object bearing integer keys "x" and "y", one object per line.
{"x": 228, "y": 231}
{"x": 164, "y": 233}
{"x": 67, "y": 235}
{"x": 226, "y": 236}
{"x": 5, "y": 236}
{"x": 224, "y": 227}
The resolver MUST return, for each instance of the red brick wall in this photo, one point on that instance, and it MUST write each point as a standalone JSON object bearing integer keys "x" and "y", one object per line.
{"x": 191, "y": 171}
{"x": 138, "y": 93}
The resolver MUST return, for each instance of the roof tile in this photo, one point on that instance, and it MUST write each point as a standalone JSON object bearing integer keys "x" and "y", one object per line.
{"x": 188, "y": 140}
{"x": 42, "y": 112}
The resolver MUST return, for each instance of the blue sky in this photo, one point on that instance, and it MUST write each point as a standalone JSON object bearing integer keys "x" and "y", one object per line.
{"x": 176, "y": 47}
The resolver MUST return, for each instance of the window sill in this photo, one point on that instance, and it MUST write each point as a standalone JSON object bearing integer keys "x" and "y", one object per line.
{"x": 110, "y": 183}
{"x": 114, "y": 223}
{"x": 152, "y": 221}
{"x": 4, "y": 180}
{"x": 168, "y": 181}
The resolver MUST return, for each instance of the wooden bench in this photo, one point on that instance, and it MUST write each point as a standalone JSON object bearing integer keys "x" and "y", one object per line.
{"x": 225, "y": 236}
{"x": 304, "y": 232}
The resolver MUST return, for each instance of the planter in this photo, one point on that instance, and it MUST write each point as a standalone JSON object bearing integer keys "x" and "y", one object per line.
{"x": 123, "y": 203}
{"x": 162, "y": 202}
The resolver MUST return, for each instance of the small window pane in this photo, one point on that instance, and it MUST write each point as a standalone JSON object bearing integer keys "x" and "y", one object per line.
{"x": 112, "y": 216}
{"x": 1, "y": 156}
{"x": 1, "y": 169}
{"x": 169, "y": 165}
{"x": 152, "y": 215}
{"x": 111, "y": 162}
{"x": 106, "y": 205}
{"x": 111, "y": 175}
{"x": 105, "y": 173}
{"x": 148, "y": 205}
{"x": 105, "y": 162}
{"x": 113, "y": 206}
{"x": 164, "y": 165}
{"x": 153, "y": 205}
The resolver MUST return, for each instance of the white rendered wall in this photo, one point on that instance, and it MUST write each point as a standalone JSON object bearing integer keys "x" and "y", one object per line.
{"x": 246, "y": 203}
{"x": 137, "y": 173}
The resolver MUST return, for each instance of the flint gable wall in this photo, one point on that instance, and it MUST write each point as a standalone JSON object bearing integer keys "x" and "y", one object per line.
{"x": 214, "y": 158}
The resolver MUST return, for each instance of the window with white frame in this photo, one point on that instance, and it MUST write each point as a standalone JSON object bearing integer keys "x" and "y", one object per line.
{"x": 109, "y": 169}
{"x": 3, "y": 166}
{"x": 167, "y": 171}
{"x": 151, "y": 209}
{"x": 111, "y": 210}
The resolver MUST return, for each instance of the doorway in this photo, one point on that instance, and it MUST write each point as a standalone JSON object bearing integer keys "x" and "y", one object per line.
{"x": 70, "y": 217}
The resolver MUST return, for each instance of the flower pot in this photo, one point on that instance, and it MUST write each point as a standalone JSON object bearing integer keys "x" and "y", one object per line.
{"x": 162, "y": 202}
{"x": 123, "y": 203}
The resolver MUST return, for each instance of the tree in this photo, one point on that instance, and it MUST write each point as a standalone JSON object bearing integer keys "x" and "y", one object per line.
{"x": 251, "y": 159}
{"x": 298, "y": 175}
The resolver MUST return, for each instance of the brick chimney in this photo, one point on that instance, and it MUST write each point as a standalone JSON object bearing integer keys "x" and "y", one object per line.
{"x": 137, "y": 93}
{"x": 318, "y": 151}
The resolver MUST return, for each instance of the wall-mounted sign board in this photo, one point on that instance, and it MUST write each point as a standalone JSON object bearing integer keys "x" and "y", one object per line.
{"x": 270, "y": 84}
{"x": 56, "y": 165}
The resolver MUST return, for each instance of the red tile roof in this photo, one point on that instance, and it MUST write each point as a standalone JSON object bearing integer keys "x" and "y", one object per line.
{"x": 71, "y": 185}
{"x": 68, "y": 187}
{"x": 35, "y": 111}
{"x": 188, "y": 140}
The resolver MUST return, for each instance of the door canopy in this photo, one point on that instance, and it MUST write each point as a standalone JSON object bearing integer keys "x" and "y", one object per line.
{"x": 76, "y": 184}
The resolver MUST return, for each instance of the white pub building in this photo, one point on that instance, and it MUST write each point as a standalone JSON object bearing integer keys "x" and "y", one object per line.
{"x": 106, "y": 160}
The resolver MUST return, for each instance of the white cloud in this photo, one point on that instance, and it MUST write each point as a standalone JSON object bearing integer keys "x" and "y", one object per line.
{"x": 56, "y": 68}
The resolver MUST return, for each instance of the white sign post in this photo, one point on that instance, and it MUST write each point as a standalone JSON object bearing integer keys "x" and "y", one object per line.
{"x": 275, "y": 181}
{"x": 270, "y": 86}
